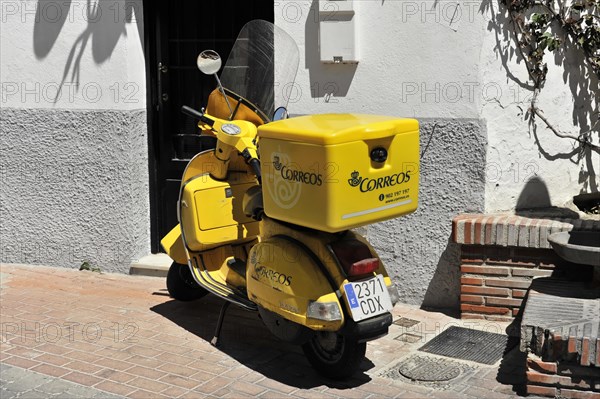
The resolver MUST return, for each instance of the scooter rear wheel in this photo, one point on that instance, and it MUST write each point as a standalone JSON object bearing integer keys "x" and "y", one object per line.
{"x": 181, "y": 284}
{"x": 334, "y": 355}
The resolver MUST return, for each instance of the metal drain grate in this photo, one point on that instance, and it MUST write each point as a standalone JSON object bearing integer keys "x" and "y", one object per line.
{"x": 468, "y": 344}
{"x": 410, "y": 338}
{"x": 405, "y": 322}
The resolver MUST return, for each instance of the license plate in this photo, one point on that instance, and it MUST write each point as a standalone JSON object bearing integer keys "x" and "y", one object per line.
{"x": 368, "y": 298}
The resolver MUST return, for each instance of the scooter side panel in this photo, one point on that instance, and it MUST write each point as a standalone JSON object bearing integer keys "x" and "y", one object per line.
{"x": 317, "y": 242}
{"x": 282, "y": 277}
{"x": 211, "y": 211}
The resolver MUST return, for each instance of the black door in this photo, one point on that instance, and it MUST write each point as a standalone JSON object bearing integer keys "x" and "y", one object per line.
{"x": 176, "y": 32}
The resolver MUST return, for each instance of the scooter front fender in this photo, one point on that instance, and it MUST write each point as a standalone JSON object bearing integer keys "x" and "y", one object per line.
{"x": 172, "y": 243}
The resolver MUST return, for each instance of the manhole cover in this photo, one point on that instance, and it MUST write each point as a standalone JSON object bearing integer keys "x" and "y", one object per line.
{"x": 468, "y": 344}
{"x": 404, "y": 322}
{"x": 421, "y": 368}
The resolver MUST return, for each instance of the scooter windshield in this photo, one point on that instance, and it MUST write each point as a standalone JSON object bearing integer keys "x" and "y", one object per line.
{"x": 262, "y": 66}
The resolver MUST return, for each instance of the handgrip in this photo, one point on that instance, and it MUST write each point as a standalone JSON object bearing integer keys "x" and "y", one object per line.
{"x": 196, "y": 114}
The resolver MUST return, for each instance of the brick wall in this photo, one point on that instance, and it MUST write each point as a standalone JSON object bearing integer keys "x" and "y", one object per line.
{"x": 501, "y": 254}
{"x": 559, "y": 333}
{"x": 494, "y": 280}
{"x": 561, "y": 380}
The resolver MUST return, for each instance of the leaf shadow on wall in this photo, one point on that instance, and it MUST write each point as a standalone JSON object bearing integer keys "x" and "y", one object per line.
{"x": 106, "y": 23}
{"x": 582, "y": 83}
{"x": 50, "y": 18}
{"x": 326, "y": 80}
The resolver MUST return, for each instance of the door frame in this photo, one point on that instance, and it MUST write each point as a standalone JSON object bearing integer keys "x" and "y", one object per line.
{"x": 151, "y": 27}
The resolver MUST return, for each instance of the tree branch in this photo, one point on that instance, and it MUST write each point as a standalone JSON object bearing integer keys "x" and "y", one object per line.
{"x": 584, "y": 141}
{"x": 538, "y": 79}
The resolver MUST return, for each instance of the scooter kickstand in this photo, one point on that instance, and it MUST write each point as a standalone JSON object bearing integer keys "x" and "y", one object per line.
{"x": 215, "y": 341}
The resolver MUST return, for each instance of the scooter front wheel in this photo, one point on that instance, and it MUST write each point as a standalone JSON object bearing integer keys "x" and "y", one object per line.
{"x": 334, "y": 355}
{"x": 181, "y": 284}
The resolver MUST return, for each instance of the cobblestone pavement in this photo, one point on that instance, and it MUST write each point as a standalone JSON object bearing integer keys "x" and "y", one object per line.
{"x": 70, "y": 333}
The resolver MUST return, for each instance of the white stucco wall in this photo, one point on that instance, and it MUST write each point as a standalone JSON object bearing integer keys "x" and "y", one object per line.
{"x": 518, "y": 153}
{"x": 73, "y": 162}
{"x": 430, "y": 60}
{"x": 415, "y": 62}
{"x": 445, "y": 63}
{"x": 95, "y": 54}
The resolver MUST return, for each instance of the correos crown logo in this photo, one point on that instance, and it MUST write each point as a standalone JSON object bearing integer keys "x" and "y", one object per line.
{"x": 355, "y": 180}
{"x": 366, "y": 184}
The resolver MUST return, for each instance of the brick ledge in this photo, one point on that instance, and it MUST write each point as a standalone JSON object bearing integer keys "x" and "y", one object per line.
{"x": 510, "y": 230}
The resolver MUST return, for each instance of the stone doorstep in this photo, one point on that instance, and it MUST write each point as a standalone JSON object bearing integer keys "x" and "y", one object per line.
{"x": 153, "y": 265}
{"x": 530, "y": 230}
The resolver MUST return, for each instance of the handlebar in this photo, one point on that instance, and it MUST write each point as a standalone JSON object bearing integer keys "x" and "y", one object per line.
{"x": 240, "y": 135}
{"x": 198, "y": 115}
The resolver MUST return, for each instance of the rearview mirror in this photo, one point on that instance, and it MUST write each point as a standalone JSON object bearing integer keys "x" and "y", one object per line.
{"x": 209, "y": 62}
{"x": 280, "y": 113}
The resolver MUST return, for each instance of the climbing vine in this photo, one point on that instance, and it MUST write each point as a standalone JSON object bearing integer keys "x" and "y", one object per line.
{"x": 541, "y": 27}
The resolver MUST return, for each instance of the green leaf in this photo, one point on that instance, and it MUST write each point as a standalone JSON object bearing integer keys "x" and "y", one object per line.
{"x": 87, "y": 266}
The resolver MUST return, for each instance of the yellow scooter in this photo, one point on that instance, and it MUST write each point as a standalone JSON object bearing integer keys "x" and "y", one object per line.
{"x": 265, "y": 217}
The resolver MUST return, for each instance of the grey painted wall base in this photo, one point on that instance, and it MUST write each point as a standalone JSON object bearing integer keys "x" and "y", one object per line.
{"x": 416, "y": 249}
{"x": 74, "y": 187}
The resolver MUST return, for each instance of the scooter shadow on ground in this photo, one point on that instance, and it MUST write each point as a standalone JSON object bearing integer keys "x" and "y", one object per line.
{"x": 245, "y": 339}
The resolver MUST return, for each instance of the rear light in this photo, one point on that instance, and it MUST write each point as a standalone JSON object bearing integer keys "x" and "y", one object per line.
{"x": 394, "y": 295}
{"x": 355, "y": 257}
{"x": 328, "y": 311}
{"x": 364, "y": 266}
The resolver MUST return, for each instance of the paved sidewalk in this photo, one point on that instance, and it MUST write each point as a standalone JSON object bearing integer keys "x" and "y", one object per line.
{"x": 16, "y": 382}
{"x": 122, "y": 335}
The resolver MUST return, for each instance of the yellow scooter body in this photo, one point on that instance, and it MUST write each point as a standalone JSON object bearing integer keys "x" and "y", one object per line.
{"x": 287, "y": 268}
